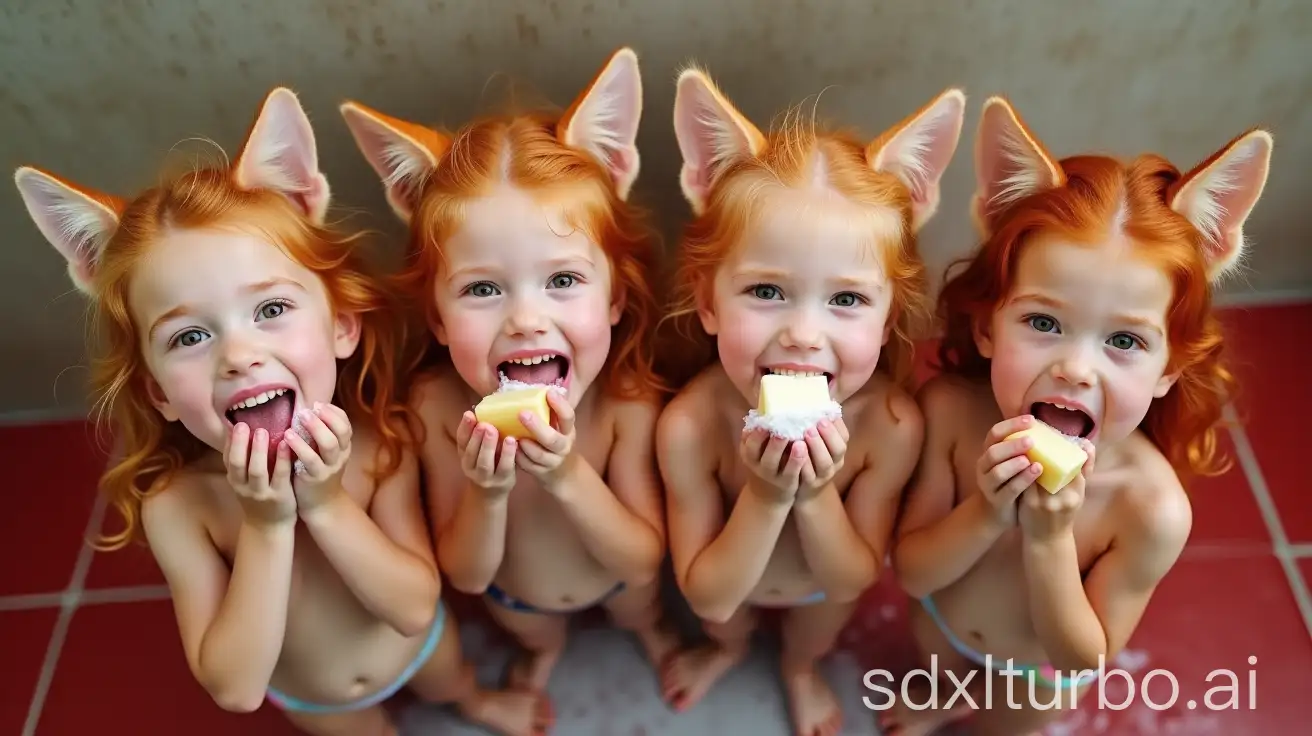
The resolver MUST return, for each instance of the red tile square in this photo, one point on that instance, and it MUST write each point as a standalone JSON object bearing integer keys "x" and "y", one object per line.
{"x": 53, "y": 470}
{"x": 1305, "y": 566}
{"x": 24, "y": 636}
{"x": 1225, "y": 511}
{"x": 1210, "y": 615}
{"x": 1269, "y": 352}
{"x": 122, "y": 664}
{"x": 130, "y": 566}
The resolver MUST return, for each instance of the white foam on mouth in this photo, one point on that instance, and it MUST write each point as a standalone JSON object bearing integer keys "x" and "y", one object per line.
{"x": 793, "y": 425}
{"x": 508, "y": 384}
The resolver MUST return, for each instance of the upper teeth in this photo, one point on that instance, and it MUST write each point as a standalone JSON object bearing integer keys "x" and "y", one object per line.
{"x": 257, "y": 399}
{"x": 1063, "y": 406}
{"x": 533, "y": 360}
{"x": 799, "y": 374}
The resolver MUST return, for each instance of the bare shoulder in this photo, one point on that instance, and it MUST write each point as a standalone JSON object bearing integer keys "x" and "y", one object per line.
{"x": 185, "y": 500}
{"x": 889, "y": 410}
{"x": 639, "y": 414}
{"x": 1152, "y": 505}
{"x": 683, "y": 423}
{"x": 434, "y": 393}
{"x": 945, "y": 397}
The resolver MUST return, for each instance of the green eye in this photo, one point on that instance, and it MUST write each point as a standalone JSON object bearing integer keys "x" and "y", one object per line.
{"x": 1122, "y": 341}
{"x": 1043, "y": 323}
{"x": 765, "y": 291}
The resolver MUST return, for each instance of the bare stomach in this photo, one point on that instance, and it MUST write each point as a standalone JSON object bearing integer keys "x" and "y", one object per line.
{"x": 338, "y": 655}
{"x": 990, "y": 614}
{"x": 547, "y": 566}
{"x": 787, "y": 578}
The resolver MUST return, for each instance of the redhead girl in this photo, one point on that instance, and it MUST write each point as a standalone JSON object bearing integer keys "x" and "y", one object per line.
{"x": 248, "y": 375}
{"x": 801, "y": 259}
{"x": 532, "y": 266}
{"x": 1087, "y": 308}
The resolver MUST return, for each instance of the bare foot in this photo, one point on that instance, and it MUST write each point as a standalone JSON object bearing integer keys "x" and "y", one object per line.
{"x": 532, "y": 670}
{"x": 687, "y": 676}
{"x": 510, "y": 712}
{"x": 815, "y": 709}
{"x": 903, "y": 720}
{"x": 658, "y": 643}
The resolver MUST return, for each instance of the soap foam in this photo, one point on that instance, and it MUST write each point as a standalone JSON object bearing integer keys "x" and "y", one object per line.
{"x": 792, "y": 425}
{"x": 509, "y": 384}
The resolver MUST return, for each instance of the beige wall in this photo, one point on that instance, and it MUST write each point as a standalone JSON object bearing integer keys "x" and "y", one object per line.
{"x": 99, "y": 90}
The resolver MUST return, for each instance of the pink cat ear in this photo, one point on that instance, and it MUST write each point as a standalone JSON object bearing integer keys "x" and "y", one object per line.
{"x": 403, "y": 154}
{"x": 76, "y": 220}
{"x": 1010, "y": 163}
{"x": 280, "y": 154}
{"x": 711, "y": 133}
{"x": 919, "y": 149}
{"x": 604, "y": 119}
{"x": 1218, "y": 195}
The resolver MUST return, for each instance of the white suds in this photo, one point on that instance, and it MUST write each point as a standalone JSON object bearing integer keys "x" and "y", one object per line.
{"x": 793, "y": 425}
{"x": 509, "y": 384}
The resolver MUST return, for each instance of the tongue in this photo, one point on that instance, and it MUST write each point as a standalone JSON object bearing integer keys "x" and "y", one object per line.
{"x": 273, "y": 416}
{"x": 546, "y": 372}
{"x": 1067, "y": 421}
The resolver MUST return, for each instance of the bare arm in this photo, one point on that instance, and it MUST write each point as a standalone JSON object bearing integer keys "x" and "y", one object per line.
{"x": 939, "y": 540}
{"x": 383, "y": 555}
{"x": 845, "y": 546}
{"x": 469, "y": 526}
{"x": 1082, "y": 623}
{"x": 231, "y": 624}
{"x": 717, "y": 564}
{"x": 621, "y": 524}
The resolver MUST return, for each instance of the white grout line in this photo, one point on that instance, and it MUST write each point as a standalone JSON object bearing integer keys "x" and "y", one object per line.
{"x": 133, "y": 594}
{"x": 1300, "y": 550}
{"x": 1270, "y": 515}
{"x": 29, "y": 601}
{"x": 71, "y": 599}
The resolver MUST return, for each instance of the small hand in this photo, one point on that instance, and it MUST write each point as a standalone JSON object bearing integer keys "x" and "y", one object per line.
{"x": 1004, "y": 471}
{"x": 775, "y": 465}
{"x": 827, "y": 443}
{"x": 477, "y": 443}
{"x": 546, "y": 456}
{"x": 265, "y": 493}
{"x": 1045, "y": 516}
{"x": 320, "y": 480}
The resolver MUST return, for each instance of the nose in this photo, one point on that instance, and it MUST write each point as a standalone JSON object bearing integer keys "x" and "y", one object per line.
{"x": 526, "y": 318}
{"x": 802, "y": 332}
{"x": 1075, "y": 366}
{"x": 240, "y": 354}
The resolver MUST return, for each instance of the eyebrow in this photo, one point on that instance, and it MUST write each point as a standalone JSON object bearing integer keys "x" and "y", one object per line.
{"x": 772, "y": 274}
{"x": 558, "y": 262}
{"x": 1058, "y": 304}
{"x": 183, "y": 310}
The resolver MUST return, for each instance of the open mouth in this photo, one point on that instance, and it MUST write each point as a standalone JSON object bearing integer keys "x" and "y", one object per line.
{"x": 546, "y": 369}
{"x": 1069, "y": 421}
{"x": 272, "y": 411}
{"x": 799, "y": 373}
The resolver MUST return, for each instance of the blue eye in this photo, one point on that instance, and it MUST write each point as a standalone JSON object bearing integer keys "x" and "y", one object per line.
{"x": 1043, "y": 323}
{"x": 270, "y": 310}
{"x": 767, "y": 292}
{"x": 188, "y": 338}
{"x": 1124, "y": 341}
{"x": 846, "y": 299}
{"x": 563, "y": 280}
{"x": 482, "y": 289}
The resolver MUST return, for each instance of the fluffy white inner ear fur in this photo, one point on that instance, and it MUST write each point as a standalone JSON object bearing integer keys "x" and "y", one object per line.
{"x": 604, "y": 120}
{"x": 77, "y": 225}
{"x": 920, "y": 151}
{"x": 401, "y": 162}
{"x": 1218, "y": 196}
{"x": 710, "y": 132}
{"x": 1009, "y": 163}
{"x": 280, "y": 154}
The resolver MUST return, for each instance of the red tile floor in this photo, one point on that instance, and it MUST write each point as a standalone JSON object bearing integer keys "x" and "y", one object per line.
{"x": 88, "y": 642}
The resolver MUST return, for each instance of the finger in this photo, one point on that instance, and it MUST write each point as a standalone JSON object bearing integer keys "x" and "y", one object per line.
{"x": 564, "y": 413}
{"x": 238, "y": 452}
{"x": 1020, "y": 482}
{"x": 323, "y": 436}
{"x": 1006, "y": 427}
{"x": 754, "y": 443}
{"x": 337, "y": 422}
{"x": 465, "y": 430}
{"x": 543, "y": 433}
{"x": 821, "y": 460}
{"x": 509, "y": 456}
{"x": 533, "y": 452}
{"x": 841, "y": 426}
{"x": 1001, "y": 452}
{"x": 808, "y": 475}
{"x": 1034, "y": 496}
{"x": 774, "y": 453}
{"x": 282, "y": 468}
{"x": 257, "y": 467}
{"x": 314, "y": 464}
{"x": 487, "y": 449}
{"x": 1092, "y": 453}
{"x": 798, "y": 458}
{"x": 1006, "y": 472}
{"x": 835, "y": 438}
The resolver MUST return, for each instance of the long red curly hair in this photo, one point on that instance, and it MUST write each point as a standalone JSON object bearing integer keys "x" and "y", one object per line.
{"x": 726, "y": 186}
{"x": 431, "y": 175}
{"x": 151, "y": 450}
{"x": 1083, "y": 199}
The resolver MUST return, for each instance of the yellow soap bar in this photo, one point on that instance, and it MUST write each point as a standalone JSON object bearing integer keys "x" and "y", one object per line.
{"x": 782, "y": 394}
{"x": 502, "y": 409}
{"x": 1060, "y": 458}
